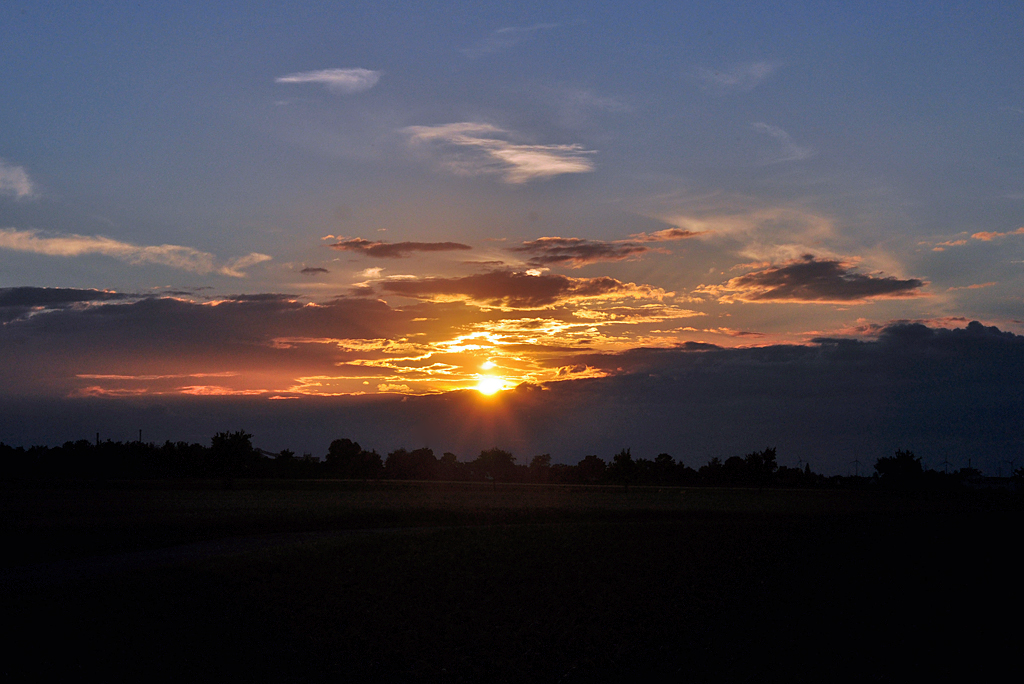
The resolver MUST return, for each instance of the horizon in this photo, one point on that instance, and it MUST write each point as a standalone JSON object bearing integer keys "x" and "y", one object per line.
{"x": 591, "y": 227}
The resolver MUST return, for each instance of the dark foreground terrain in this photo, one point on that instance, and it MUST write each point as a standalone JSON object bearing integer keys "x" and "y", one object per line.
{"x": 460, "y": 582}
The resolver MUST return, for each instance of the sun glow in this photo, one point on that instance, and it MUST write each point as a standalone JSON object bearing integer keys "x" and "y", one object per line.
{"x": 488, "y": 384}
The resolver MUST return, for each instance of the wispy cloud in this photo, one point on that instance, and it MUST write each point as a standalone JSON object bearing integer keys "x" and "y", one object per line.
{"x": 175, "y": 256}
{"x": 811, "y": 280}
{"x": 14, "y": 180}
{"x": 740, "y": 77}
{"x": 504, "y": 38}
{"x": 395, "y": 250}
{"x": 976, "y": 286}
{"x": 789, "y": 151}
{"x": 470, "y": 148}
{"x": 989, "y": 236}
{"x": 666, "y": 235}
{"x": 941, "y": 247}
{"x": 983, "y": 236}
{"x": 341, "y": 81}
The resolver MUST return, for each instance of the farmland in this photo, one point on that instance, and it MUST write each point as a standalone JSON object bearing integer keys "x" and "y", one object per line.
{"x": 304, "y": 580}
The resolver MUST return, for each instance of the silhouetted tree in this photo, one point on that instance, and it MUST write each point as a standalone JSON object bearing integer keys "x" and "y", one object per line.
{"x": 664, "y": 469}
{"x": 342, "y": 455}
{"x": 761, "y": 465}
{"x": 734, "y": 470}
{"x": 284, "y": 464}
{"x": 711, "y": 472}
{"x": 590, "y": 470}
{"x": 449, "y": 468}
{"x": 411, "y": 465}
{"x": 901, "y": 471}
{"x": 346, "y": 459}
{"x": 622, "y": 469}
{"x": 495, "y": 464}
{"x": 540, "y": 468}
{"x": 232, "y": 454}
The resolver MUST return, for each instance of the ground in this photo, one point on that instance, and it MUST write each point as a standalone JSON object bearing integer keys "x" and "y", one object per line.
{"x": 459, "y": 582}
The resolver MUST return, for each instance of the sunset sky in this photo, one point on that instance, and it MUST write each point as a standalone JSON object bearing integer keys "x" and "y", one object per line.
{"x": 378, "y": 203}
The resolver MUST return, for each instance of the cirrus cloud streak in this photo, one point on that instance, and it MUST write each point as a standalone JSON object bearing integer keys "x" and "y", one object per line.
{"x": 469, "y": 148}
{"x": 175, "y": 256}
{"x": 341, "y": 81}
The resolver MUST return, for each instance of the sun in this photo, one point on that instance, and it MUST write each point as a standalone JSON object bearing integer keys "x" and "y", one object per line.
{"x": 488, "y": 384}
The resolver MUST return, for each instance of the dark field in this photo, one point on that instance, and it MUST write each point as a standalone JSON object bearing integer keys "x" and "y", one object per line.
{"x": 450, "y": 582}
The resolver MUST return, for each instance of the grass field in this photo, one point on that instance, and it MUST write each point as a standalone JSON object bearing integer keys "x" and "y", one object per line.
{"x": 453, "y": 582}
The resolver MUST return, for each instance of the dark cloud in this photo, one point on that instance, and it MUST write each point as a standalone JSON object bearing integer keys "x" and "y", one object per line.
{"x": 511, "y": 289}
{"x": 816, "y": 280}
{"x": 577, "y": 252}
{"x": 395, "y": 250}
{"x": 17, "y": 301}
{"x": 44, "y": 353}
{"x": 53, "y": 296}
{"x": 313, "y": 270}
{"x": 262, "y": 297}
{"x": 952, "y": 394}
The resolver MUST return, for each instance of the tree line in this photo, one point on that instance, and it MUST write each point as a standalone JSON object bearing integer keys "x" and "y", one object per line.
{"x": 232, "y": 455}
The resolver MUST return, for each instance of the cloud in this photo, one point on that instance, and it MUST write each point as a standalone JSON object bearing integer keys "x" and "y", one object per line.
{"x": 768, "y": 233}
{"x": 742, "y": 77}
{"x": 313, "y": 270}
{"x": 789, "y": 151}
{"x": 941, "y": 247}
{"x": 976, "y": 286}
{"x": 15, "y": 302}
{"x": 829, "y": 402}
{"x": 811, "y": 280}
{"x": 989, "y": 236}
{"x": 984, "y": 236}
{"x": 666, "y": 235}
{"x": 175, "y": 256}
{"x": 14, "y": 180}
{"x": 509, "y": 289}
{"x": 235, "y": 267}
{"x": 51, "y": 297}
{"x": 577, "y": 252}
{"x": 505, "y": 38}
{"x": 341, "y": 81}
{"x": 395, "y": 250}
{"x": 470, "y": 148}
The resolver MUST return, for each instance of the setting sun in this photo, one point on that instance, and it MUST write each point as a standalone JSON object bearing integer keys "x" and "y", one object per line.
{"x": 488, "y": 384}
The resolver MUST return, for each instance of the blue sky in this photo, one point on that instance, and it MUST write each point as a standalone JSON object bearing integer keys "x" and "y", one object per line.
{"x": 737, "y": 174}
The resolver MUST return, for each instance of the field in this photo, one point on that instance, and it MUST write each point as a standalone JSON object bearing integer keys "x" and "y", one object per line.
{"x": 301, "y": 581}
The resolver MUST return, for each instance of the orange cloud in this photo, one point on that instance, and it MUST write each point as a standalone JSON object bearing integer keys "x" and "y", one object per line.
{"x": 988, "y": 236}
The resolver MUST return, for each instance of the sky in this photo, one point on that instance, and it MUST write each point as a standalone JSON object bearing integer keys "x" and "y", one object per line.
{"x": 336, "y": 219}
